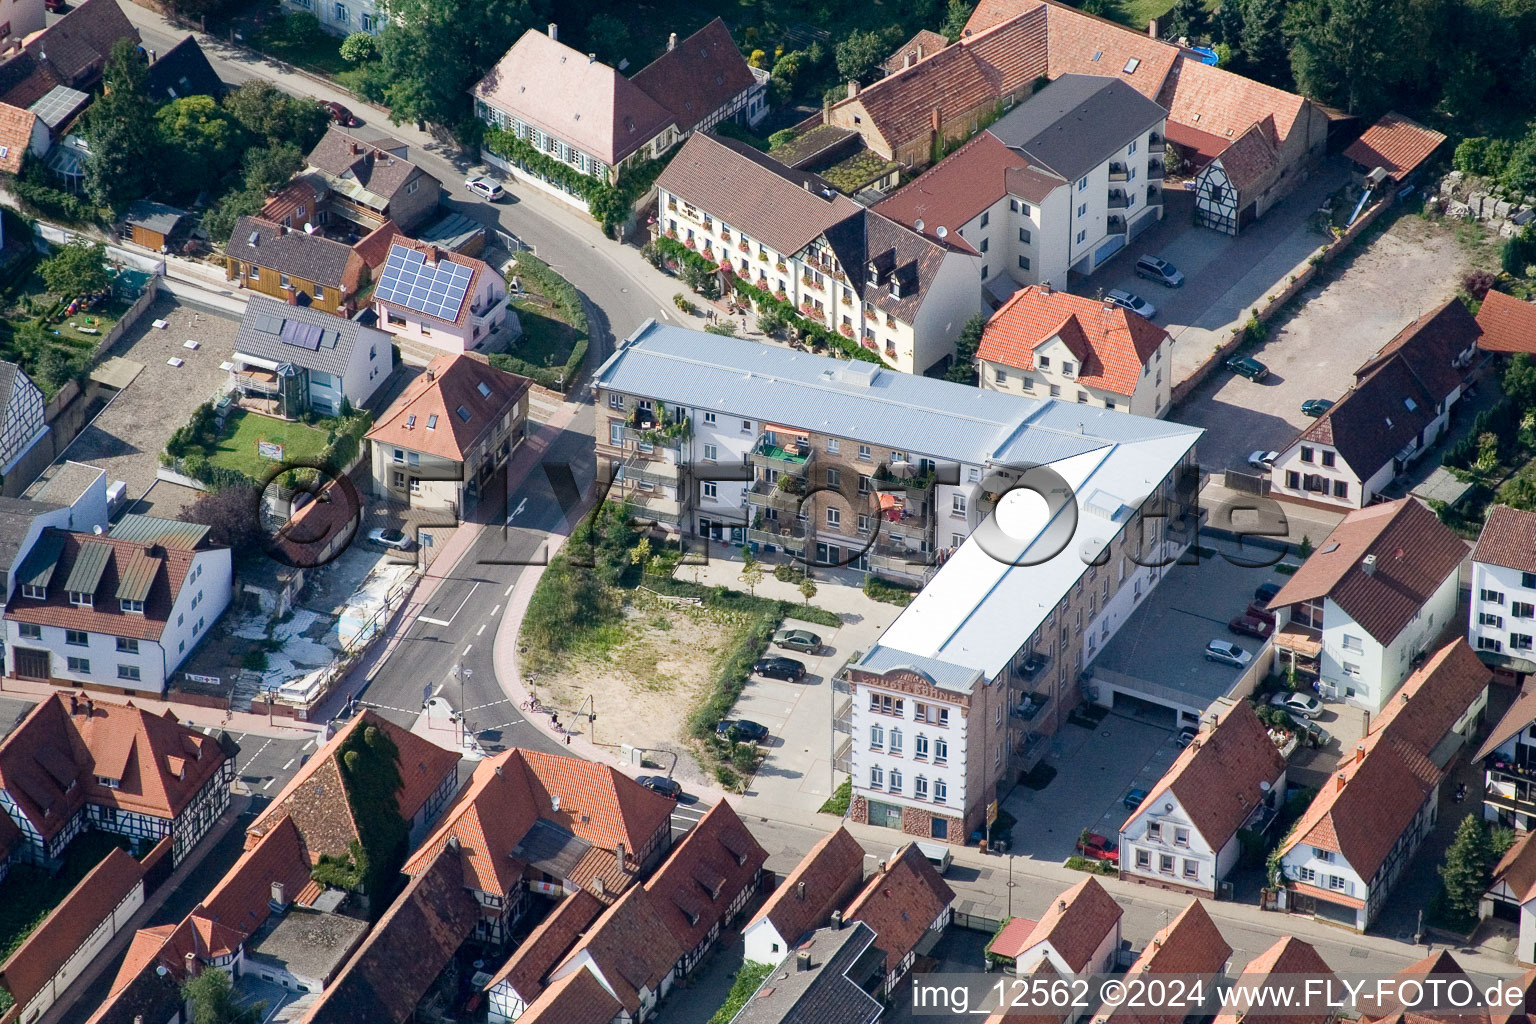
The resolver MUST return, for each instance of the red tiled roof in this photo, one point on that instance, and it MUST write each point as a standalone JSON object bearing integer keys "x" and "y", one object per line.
{"x": 704, "y": 874}
{"x": 143, "y": 948}
{"x": 171, "y": 567}
{"x": 921, "y": 46}
{"x": 1289, "y": 956}
{"x": 829, "y": 872}
{"x": 960, "y": 187}
{"x": 900, "y": 903}
{"x": 632, "y": 947}
{"x": 698, "y": 76}
{"x": 1415, "y": 552}
{"x": 27, "y": 970}
{"x": 295, "y": 202}
{"x": 51, "y": 763}
{"x": 1434, "y": 697}
{"x": 546, "y": 83}
{"x": 16, "y": 127}
{"x": 316, "y": 799}
{"x": 1516, "y": 869}
{"x": 72, "y": 51}
{"x": 1521, "y": 713}
{"x": 1112, "y": 344}
{"x": 1191, "y": 945}
{"x": 243, "y": 896}
{"x": 1430, "y": 345}
{"x": 1251, "y": 162}
{"x": 577, "y": 998}
{"x": 1508, "y": 323}
{"x": 1224, "y": 104}
{"x": 451, "y": 383}
{"x": 1088, "y": 45}
{"x": 374, "y": 246}
{"x": 1441, "y": 964}
{"x": 1396, "y": 143}
{"x": 1222, "y": 776}
{"x": 1075, "y": 924}
{"x": 546, "y": 946}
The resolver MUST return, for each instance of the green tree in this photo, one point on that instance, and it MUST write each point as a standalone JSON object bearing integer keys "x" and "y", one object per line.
{"x": 784, "y": 79}
{"x": 1465, "y": 873}
{"x": 859, "y": 56}
{"x": 1261, "y": 40}
{"x": 200, "y": 143}
{"x": 268, "y": 167}
{"x": 78, "y": 268}
{"x": 807, "y": 589}
{"x": 120, "y": 129}
{"x": 359, "y": 48}
{"x": 1187, "y": 18}
{"x": 1352, "y": 53}
{"x": 608, "y": 37}
{"x": 1519, "y": 382}
{"x": 752, "y": 575}
{"x": 958, "y": 13}
{"x": 433, "y": 51}
{"x": 963, "y": 369}
{"x": 276, "y": 117}
{"x": 211, "y": 997}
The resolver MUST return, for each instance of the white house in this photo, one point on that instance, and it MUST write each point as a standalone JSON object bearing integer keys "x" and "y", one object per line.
{"x": 1512, "y": 896}
{"x": 1045, "y": 342}
{"x": 439, "y": 300}
{"x": 1367, "y": 604}
{"x": 1347, "y": 851}
{"x": 341, "y": 17}
{"x": 901, "y": 294}
{"x": 818, "y": 887}
{"x": 304, "y": 359}
{"x": 1059, "y": 184}
{"x": 1503, "y": 611}
{"x": 1508, "y": 756}
{"x": 1078, "y": 935}
{"x": 1398, "y": 406}
{"x": 1230, "y": 777}
{"x": 120, "y": 611}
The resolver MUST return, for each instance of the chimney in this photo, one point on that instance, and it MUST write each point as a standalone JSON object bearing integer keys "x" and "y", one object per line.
{"x": 1045, "y": 287}
{"x": 498, "y": 767}
{"x": 279, "y": 894}
{"x": 672, "y": 41}
{"x": 1152, "y": 28}
{"x": 1061, "y": 904}
{"x": 432, "y": 375}
{"x": 591, "y": 58}
{"x": 1359, "y": 752}
{"x": 356, "y": 149}
{"x": 90, "y": 705}
{"x": 74, "y": 704}
{"x": 935, "y": 118}
{"x": 853, "y": 88}
{"x": 554, "y": 32}
{"x": 600, "y": 886}
{"x": 882, "y": 868}
{"x": 837, "y": 920}
{"x": 1340, "y": 780}
{"x": 192, "y": 965}
{"x": 799, "y": 890}
{"x": 1368, "y": 566}
{"x": 622, "y": 855}
{"x": 803, "y": 960}
{"x": 906, "y": 61}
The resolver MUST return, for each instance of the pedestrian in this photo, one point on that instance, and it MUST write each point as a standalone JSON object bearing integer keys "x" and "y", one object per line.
{"x": 567, "y": 739}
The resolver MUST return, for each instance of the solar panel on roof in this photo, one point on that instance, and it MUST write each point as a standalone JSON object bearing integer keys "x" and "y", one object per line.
{"x": 269, "y": 324}
{"x": 301, "y": 335}
{"x": 437, "y": 291}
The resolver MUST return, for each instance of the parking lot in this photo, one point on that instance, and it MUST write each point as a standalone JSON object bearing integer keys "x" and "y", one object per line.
{"x": 128, "y": 436}
{"x": 1366, "y": 298}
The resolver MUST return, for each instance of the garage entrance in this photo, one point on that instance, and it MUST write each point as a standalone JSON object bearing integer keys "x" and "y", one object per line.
{"x": 31, "y": 664}
{"x": 1145, "y": 710}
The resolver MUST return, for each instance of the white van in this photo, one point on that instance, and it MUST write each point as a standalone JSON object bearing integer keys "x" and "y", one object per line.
{"x": 937, "y": 854}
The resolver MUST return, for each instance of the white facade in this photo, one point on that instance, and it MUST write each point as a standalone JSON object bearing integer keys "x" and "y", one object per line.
{"x": 368, "y": 365}
{"x": 648, "y": 997}
{"x": 22, "y": 18}
{"x": 81, "y": 958}
{"x": 1318, "y": 473}
{"x": 341, "y": 17}
{"x": 1112, "y": 204}
{"x": 1525, "y": 946}
{"x": 24, "y": 422}
{"x": 1503, "y": 610}
{"x": 1103, "y": 960}
{"x": 911, "y": 752}
{"x": 1160, "y": 844}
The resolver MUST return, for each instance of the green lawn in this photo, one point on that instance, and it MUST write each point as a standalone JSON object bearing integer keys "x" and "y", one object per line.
{"x": 547, "y": 340}
{"x": 237, "y": 448}
{"x": 313, "y": 50}
{"x": 29, "y": 893}
{"x": 1136, "y": 13}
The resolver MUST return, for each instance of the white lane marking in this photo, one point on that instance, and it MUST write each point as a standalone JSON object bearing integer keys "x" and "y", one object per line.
{"x": 435, "y": 622}
{"x": 507, "y": 592}
{"x": 480, "y": 630}
{"x": 467, "y": 650}
{"x": 268, "y": 784}
{"x": 290, "y": 763}
{"x": 495, "y": 610}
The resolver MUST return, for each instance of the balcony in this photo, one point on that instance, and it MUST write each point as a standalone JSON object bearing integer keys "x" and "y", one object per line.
{"x": 645, "y": 428}
{"x": 1511, "y": 768}
{"x": 1154, "y": 195}
{"x": 1029, "y": 706}
{"x": 1155, "y": 170}
{"x": 786, "y": 496}
{"x": 1115, "y": 225}
{"x": 795, "y": 460}
{"x": 842, "y": 760}
{"x": 899, "y": 561}
{"x": 1156, "y": 144}
{"x": 1509, "y": 803}
{"x": 490, "y": 315}
{"x": 1118, "y": 199}
{"x": 658, "y": 472}
{"x": 842, "y": 718}
{"x": 906, "y": 477}
{"x": 1119, "y": 172}
{"x": 256, "y": 381}
{"x": 788, "y": 537}
{"x": 653, "y": 503}
{"x": 1035, "y": 663}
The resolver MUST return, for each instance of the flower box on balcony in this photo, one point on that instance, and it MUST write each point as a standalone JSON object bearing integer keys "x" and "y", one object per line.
{"x": 743, "y": 247}
{"x": 672, "y": 204}
{"x": 781, "y": 267}
{"x": 781, "y": 295}
{"x": 845, "y": 330}
{"x": 890, "y": 322}
{"x": 725, "y": 234}
{"x": 691, "y": 244}
{"x": 869, "y": 343}
{"x": 672, "y": 233}
{"x": 762, "y": 257}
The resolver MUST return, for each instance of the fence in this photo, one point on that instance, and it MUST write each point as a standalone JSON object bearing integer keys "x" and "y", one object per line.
{"x": 1274, "y": 303}
{"x": 975, "y": 922}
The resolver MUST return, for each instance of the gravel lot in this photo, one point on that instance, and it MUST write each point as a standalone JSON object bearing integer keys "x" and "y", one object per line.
{"x": 1369, "y": 296}
{"x": 126, "y": 439}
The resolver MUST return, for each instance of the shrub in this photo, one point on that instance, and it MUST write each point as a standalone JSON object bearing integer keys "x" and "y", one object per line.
{"x": 1477, "y": 282}
{"x": 838, "y": 802}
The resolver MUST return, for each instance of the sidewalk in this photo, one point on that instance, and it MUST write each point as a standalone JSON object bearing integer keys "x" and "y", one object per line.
{"x": 230, "y": 721}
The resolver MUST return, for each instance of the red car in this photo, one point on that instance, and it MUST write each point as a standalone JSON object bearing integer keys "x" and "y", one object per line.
{"x": 340, "y": 114}
{"x": 1259, "y": 611}
{"x": 1098, "y": 847}
{"x": 56, "y": 6}
{"x": 1252, "y": 625}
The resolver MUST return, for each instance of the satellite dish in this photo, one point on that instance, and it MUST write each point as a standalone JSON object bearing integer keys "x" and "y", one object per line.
{"x": 941, "y": 231}
{"x": 96, "y": 529}
{"x": 1263, "y": 787}
{"x": 918, "y": 224}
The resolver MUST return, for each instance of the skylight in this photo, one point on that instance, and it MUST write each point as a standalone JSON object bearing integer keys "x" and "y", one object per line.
{"x": 432, "y": 422}
{"x": 484, "y": 389}
{"x": 1132, "y": 64}
{"x": 1096, "y": 55}
{"x": 463, "y": 413}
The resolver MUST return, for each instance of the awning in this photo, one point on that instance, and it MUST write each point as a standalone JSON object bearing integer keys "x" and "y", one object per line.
{"x": 783, "y": 432}
{"x": 1302, "y": 643}
{"x": 888, "y": 501}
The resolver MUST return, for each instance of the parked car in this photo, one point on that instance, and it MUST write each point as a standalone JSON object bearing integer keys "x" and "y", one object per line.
{"x": 1252, "y": 625}
{"x": 340, "y": 114}
{"x": 1259, "y": 611}
{"x": 1161, "y": 271}
{"x": 661, "y": 784}
{"x": 56, "y": 6}
{"x": 1227, "y": 653}
{"x": 1303, "y": 704}
{"x": 1315, "y": 407}
{"x": 1316, "y": 735}
{"x": 1134, "y": 798}
{"x": 1098, "y": 847}
{"x": 1128, "y": 300}
{"x": 1250, "y": 368}
{"x": 1266, "y": 593}
{"x": 392, "y": 538}
{"x": 797, "y": 640}
{"x": 787, "y": 669}
{"x": 486, "y": 188}
{"x": 1262, "y": 459}
{"x": 741, "y": 731}
{"x": 1187, "y": 736}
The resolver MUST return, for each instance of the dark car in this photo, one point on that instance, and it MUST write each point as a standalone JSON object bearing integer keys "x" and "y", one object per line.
{"x": 787, "y": 669}
{"x": 1252, "y": 625}
{"x": 56, "y": 6}
{"x": 1134, "y": 798}
{"x": 1315, "y": 407}
{"x": 661, "y": 784}
{"x": 340, "y": 114}
{"x": 1266, "y": 593}
{"x": 1259, "y": 611}
{"x": 741, "y": 731}
{"x": 1250, "y": 368}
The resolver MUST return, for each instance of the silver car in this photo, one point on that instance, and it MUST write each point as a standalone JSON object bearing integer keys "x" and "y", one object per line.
{"x": 1128, "y": 300}
{"x": 486, "y": 188}
{"x": 1227, "y": 653}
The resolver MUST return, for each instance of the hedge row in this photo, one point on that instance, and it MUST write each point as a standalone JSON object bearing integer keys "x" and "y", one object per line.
{"x": 609, "y": 203}
{"x": 567, "y": 300}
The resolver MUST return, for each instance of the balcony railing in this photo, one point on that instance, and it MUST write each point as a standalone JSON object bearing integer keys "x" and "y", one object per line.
{"x": 661, "y": 431}
{"x": 1029, "y": 706}
{"x": 1118, "y": 172}
{"x": 1509, "y": 803}
{"x": 785, "y": 499}
{"x": 1115, "y": 225}
{"x": 651, "y": 471}
{"x": 789, "y": 538}
{"x": 768, "y": 454}
{"x": 259, "y": 381}
{"x": 1156, "y": 144}
{"x": 1118, "y": 200}
{"x": 1155, "y": 169}
{"x": 907, "y": 477}
{"x": 842, "y": 760}
{"x": 1154, "y": 195}
{"x": 1514, "y": 768}
{"x": 1035, "y": 663}
{"x": 911, "y": 565}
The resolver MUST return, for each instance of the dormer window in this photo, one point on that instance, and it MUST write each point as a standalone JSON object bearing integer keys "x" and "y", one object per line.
{"x": 133, "y": 607}
{"x": 80, "y": 600}
{"x": 102, "y": 780}
{"x": 33, "y": 592}
{"x": 895, "y": 286}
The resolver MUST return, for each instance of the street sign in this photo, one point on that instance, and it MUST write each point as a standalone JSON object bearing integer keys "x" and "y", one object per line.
{"x": 426, "y": 692}
{"x": 991, "y": 813}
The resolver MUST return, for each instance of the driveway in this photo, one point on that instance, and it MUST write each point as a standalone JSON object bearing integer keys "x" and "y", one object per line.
{"x": 1224, "y": 277}
{"x": 1363, "y": 302}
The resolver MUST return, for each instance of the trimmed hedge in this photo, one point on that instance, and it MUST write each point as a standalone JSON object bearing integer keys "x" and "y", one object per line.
{"x": 748, "y": 980}
{"x": 568, "y": 301}
{"x": 609, "y": 203}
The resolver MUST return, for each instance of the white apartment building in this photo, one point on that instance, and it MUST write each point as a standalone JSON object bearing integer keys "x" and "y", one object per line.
{"x": 1503, "y": 612}
{"x": 1366, "y": 606}
{"x": 789, "y": 233}
{"x": 341, "y": 17}
{"x": 120, "y": 611}
{"x": 1060, "y": 183}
